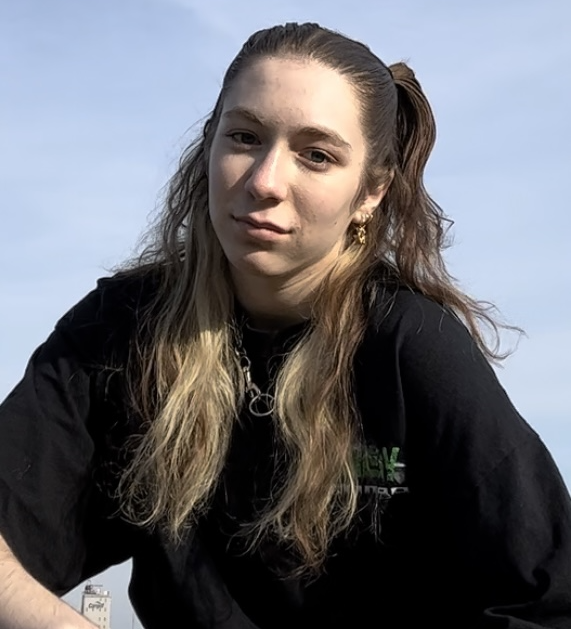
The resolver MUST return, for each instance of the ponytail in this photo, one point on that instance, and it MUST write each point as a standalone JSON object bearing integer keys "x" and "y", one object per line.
{"x": 414, "y": 221}
{"x": 415, "y": 128}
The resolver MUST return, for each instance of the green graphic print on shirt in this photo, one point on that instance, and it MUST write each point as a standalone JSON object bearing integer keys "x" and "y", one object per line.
{"x": 381, "y": 475}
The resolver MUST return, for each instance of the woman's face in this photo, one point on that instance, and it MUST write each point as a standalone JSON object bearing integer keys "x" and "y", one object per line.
{"x": 285, "y": 169}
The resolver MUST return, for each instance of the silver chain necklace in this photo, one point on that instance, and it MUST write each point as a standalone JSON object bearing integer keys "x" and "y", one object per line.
{"x": 260, "y": 404}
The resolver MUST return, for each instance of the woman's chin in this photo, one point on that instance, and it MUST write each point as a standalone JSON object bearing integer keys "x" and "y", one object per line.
{"x": 260, "y": 264}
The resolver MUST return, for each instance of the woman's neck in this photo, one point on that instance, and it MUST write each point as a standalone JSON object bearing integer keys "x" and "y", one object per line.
{"x": 272, "y": 304}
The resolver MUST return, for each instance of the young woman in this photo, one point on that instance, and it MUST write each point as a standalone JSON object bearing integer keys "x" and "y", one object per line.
{"x": 284, "y": 412}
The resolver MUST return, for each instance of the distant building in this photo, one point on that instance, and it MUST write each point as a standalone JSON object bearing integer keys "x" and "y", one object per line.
{"x": 96, "y": 605}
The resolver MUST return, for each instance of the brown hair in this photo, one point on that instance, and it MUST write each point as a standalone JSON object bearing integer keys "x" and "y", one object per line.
{"x": 189, "y": 390}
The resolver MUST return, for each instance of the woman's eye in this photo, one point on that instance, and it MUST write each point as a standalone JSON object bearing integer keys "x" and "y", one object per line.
{"x": 318, "y": 157}
{"x": 243, "y": 137}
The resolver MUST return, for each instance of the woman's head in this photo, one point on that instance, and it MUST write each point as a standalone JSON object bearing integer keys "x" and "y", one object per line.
{"x": 344, "y": 85}
{"x": 303, "y": 140}
{"x": 285, "y": 168}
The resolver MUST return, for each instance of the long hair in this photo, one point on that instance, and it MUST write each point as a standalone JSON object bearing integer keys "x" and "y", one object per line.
{"x": 185, "y": 382}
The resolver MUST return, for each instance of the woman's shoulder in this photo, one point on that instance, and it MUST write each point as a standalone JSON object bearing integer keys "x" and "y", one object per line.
{"x": 119, "y": 294}
{"x": 405, "y": 315}
{"x": 423, "y": 338}
{"x": 109, "y": 315}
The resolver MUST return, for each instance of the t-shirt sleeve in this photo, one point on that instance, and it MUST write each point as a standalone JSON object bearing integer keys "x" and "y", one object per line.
{"x": 493, "y": 508}
{"x": 54, "y": 513}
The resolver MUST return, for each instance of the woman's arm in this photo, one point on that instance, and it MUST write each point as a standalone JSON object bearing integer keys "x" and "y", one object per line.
{"x": 492, "y": 526}
{"x": 25, "y": 604}
{"x": 57, "y": 517}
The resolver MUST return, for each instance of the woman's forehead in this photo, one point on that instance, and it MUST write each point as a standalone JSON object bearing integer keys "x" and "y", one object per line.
{"x": 295, "y": 93}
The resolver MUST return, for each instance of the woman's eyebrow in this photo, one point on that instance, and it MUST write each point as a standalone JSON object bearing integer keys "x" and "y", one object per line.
{"x": 316, "y": 132}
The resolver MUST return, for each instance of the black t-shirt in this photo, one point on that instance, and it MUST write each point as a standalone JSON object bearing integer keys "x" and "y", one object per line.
{"x": 464, "y": 520}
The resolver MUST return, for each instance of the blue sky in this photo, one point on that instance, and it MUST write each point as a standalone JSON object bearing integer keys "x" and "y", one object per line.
{"x": 99, "y": 98}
